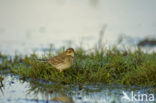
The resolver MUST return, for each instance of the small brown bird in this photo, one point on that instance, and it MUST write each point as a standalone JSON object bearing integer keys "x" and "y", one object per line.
{"x": 63, "y": 61}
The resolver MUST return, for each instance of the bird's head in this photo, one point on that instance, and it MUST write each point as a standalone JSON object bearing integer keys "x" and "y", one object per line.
{"x": 70, "y": 51}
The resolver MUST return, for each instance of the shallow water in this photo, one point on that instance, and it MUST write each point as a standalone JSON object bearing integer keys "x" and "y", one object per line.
{"x": 15, "y": 90}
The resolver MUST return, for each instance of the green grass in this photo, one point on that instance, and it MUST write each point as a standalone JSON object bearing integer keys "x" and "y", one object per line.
{"x": 111, "y": 66}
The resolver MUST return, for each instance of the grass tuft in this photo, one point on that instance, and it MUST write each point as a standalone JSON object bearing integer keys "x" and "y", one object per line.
{"x": 111, "y": 66}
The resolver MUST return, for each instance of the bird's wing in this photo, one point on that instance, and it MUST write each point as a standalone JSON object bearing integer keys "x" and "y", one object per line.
{"x": 57, "y": 59}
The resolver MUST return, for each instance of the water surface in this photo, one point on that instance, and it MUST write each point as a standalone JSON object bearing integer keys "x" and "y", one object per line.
{"x": 15, "y": 90}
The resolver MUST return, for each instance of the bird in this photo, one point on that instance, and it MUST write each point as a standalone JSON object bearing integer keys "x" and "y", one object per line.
{"x": 64, "y": 60}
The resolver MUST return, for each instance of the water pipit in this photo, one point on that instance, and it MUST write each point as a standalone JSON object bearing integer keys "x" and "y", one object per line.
{"x": 63, "y": 61}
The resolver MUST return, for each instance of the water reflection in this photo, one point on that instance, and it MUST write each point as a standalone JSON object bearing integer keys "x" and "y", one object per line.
{"x": 1, "y": 85}
{"x": 50, "y": 91}
{"x": 32, "y": 91}
{"x": 63, "y": 99}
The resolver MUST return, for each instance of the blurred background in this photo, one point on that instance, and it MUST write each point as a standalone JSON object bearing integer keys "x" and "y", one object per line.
{"x": 28, "y": 25}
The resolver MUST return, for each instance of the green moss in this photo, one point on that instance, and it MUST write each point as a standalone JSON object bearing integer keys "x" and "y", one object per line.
{"x": 111, "y": 66}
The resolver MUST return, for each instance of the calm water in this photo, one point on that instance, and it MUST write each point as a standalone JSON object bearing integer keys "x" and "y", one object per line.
{"x": 28, "y": 25}
{"x": 30, "y": 91}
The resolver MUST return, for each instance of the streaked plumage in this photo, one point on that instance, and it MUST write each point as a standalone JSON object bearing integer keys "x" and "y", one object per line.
{"x": 64, "y": 60}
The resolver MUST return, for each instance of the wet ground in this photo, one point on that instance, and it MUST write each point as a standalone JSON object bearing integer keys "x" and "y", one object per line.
{"x": 15, "y": 90}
